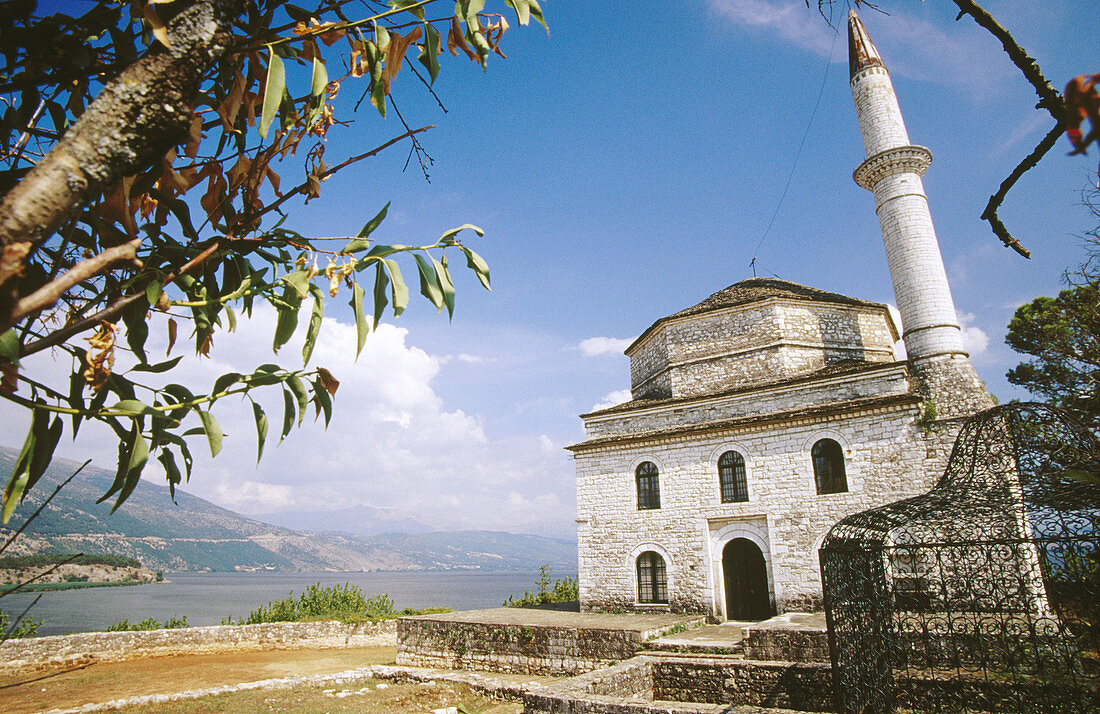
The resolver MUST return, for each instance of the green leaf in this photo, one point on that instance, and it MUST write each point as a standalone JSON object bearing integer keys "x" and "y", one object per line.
{"x": 429, "y": 283}
{"x": 399, "y": 291}
{"x": 213, "y": 431}
{"x": 232, "y": 318}
{"x": 21, "y": 473}
{"x": 360, "y": 241}
{"x": 274, "y": 88}
{"x": 525, "y": 10}
{"x": 315, "y": 319}
{"x": 477, "y": 264}
{"x": 287, "y": 321}
{"x": 448, "y": 236}
{"x": 381, "y": 282}
{"x": 139, "y": 455}
{"x": 223, "y": 382}
{"x": 132, "y": 407}
{"x": 288, "y": 413}
{"x": 429, "y": 53}
{"x": 171, "y": 471}
{"x": 300, "y": 395}
{"x": 157, "y": 368}
{"x": 445, "y": 285}
{"x": 361, "y": 325}
{"x": 265, "y": 375}
{"x": 381, "y": 39}
{"x": 417, "y": 11}
{"x": 261, "y": 429}
{"x": 322, "y": 399}
{"x": 299, "y": 281}
{"x": 153, "y": 291}
{"x": 137, "y": 330}
{"x": 318, "y": 82}
{"x": 9, "y": 347}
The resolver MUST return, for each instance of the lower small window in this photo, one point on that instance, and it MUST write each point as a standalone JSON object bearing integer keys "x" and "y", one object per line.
{"x": 652, "y": 582}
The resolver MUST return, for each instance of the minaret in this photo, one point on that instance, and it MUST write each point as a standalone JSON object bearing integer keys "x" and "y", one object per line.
{"x": 892, "y": 172}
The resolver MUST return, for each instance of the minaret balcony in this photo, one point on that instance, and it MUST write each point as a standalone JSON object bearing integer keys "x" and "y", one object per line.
{"x": 902, "y": 159}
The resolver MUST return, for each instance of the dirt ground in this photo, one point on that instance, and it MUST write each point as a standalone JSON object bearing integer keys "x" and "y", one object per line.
{"x": 165, "y": 675}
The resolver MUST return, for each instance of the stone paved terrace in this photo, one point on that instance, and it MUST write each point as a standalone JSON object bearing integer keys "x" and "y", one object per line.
{"x": 530, "y": 640}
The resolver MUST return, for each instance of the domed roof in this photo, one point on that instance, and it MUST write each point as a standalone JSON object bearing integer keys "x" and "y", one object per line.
{"x": 754, "y": 290}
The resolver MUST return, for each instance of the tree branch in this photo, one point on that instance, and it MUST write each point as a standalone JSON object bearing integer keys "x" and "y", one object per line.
{"x": 137, "y": 117}
{"x": 1029, "y": 162}
{"x": 51, "y": 292}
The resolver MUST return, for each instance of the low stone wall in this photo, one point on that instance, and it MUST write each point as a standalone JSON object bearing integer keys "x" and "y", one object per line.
{"x": 786, "y": 645}
{"x": 526, "y": 649}
{"x": 801, "y": 686}
{"x": 38, "y": 653}
{"x": 687, "y": 685}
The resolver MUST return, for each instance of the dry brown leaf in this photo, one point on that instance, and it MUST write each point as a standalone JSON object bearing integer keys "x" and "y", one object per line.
{"x": 159, "y": 30}
{"x": 100, "y": 357}
{"x": 172, "y": 328}
{"x": 194, "y": 134}
{"x": 395, "y": 53}
{"x": 229, "y": 108}
{"x": 118, "y": 208}
{"x": 456, "y": 40}
{"x": 9, "y": 377}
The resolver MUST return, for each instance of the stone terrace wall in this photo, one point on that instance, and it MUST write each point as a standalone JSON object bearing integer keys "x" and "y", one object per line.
{"x": 801, "y": 686}
{"x": 39, "y": 653}
{"x": 497, "y": 647}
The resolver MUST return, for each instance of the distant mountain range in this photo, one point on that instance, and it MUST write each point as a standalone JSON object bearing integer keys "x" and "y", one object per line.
{"x": 196, "y": 535}
{"x": 357, "y": 520}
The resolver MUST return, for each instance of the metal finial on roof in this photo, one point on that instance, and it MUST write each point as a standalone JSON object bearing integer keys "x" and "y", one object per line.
{"x": 861, "y": 51}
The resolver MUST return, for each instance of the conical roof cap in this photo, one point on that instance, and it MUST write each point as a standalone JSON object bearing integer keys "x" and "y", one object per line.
{"x": 862, "y": 53}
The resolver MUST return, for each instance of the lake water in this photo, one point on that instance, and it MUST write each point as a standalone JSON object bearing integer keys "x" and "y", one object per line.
{"x": 207, "y": 598}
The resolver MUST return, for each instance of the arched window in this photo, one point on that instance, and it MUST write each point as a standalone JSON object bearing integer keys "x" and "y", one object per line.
{"x": 731, "y": 477}
{"x": 828, "y": 457}
{"x": 649, "y": 490}
{"x": 652, "y": 582}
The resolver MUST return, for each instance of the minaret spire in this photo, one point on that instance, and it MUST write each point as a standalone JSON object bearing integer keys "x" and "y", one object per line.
{"x": 892, "y": 172}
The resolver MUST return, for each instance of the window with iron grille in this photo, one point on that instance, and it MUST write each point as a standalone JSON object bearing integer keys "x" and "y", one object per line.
{"x": 649, "y": 490}
{"x": 829, "y": 476}
{"x": 731, "y": 476}
{"x": 652, "y": 583}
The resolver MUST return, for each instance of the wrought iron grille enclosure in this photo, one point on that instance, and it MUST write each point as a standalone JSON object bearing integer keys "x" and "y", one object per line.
{"x": 984, "y": 593}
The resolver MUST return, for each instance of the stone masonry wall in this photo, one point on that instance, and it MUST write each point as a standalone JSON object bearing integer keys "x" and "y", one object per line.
{"x": 786, "y": 685}
{"x": 426, "y": 642}
{"x": 37, "y": 653}
{"x": 889, "y": 379}
{"x": 888, "y": 456}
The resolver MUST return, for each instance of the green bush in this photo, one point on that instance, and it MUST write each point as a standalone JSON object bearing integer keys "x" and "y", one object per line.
{"x": 563, "y": 590}
{"x": 172, "y": 623}
{"x": 26, "y": 628}
{"x": 346, "y": 603}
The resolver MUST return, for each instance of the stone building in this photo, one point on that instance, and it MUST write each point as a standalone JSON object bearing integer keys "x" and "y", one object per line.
{"x": 771, "y": 410}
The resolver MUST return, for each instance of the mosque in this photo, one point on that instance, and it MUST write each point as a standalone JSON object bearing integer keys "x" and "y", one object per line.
{"x": 769, "y": 411}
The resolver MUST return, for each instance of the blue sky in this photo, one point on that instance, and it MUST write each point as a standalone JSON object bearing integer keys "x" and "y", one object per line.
{"x": 625, "y": 167}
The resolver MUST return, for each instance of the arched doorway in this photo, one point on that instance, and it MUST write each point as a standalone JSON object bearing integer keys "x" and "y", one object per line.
{"x": 746, "y": 578}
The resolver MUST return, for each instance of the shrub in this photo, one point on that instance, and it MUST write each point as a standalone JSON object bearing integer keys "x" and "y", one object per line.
{"x": 172, "y": 623}
{"x": 338, "y": 602}
{"x": 563, "y": 590}
{"x": 26, "y": 628}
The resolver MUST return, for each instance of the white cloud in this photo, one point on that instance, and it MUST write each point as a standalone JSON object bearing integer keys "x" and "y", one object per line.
{"x": 392, "y": 443}
{"x": 597, "y": 346}
{"x": 974, "y": 338}
{"x": 965, "y": 57}
{"x": 611, "y": 399}
{"x": 789, "y": 19}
